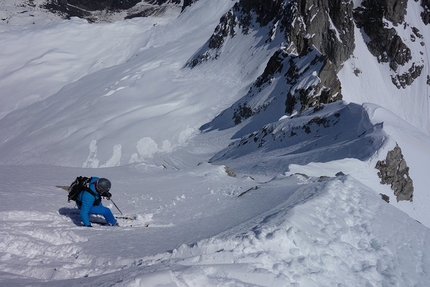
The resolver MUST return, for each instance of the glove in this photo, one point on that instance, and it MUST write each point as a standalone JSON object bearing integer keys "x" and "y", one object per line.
{"x": 107, "y": 194}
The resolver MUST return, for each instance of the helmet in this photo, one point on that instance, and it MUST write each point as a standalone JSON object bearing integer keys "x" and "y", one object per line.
{"x": 103, "y": 185}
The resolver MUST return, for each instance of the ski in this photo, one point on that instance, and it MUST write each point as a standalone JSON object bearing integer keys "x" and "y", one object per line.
{"x": 130, "y": 221}
{"x": 126, "y": 217}
{"x": 120, "y": 224}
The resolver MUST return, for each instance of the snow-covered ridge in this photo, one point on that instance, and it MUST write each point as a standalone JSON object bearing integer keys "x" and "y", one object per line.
{"x": 36, "y": 12}
{"x": 337, "y": 131}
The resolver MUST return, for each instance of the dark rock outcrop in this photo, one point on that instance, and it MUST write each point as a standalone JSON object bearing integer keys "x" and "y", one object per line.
{"x": 304, "y": 82}
{"x": 425, "y": 14}
{"x": 188, "y": 3}
{"x": 384, "y": 43}
{"x": 406, "y": 79}
{"x": 327, "y": 25}
{"x": 326, "y": 91}
{"x": 90, "y": 9}
{"x": 385, "y": 197}
{"x": 394, "y": 171}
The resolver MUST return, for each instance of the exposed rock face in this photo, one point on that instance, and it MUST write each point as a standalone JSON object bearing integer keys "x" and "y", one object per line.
{"x": 321, "y": 31}
{"x": 425, "y": 14}
{"x": 327, "y": 25}
{"x": 384, "y": 42}
{"x": 226, "y": 28}
{"x": 188, "y": 3}
{"x": 88, "y": 8}
{"x": 315, "y": 85}
{"x": 394, "y": 171}
{"x": 325, "y": 91}
{"x": 308, "y": 25}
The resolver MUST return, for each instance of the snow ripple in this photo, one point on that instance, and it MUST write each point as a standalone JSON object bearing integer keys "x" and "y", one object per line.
{"x": 36, "y": 244}
{"x": 330, "y": 240}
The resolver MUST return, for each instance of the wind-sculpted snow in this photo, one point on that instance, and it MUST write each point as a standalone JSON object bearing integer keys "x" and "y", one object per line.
{"x": 118, "y": 103}
{"x": 324, "y": 233}
{"x": 322, "y": 237}
{"x": 336, "y": 131}
{"x": 37, "y": 241}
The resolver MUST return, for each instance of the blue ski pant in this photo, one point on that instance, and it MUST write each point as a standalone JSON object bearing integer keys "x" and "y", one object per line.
{"x": 106, "y": 212}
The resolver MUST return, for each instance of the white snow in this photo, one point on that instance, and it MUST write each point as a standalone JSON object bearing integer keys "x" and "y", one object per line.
{"x": 114, "y": 100}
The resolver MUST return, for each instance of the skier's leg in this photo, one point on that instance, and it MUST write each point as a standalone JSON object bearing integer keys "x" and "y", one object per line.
{"x": 106, "y": 212}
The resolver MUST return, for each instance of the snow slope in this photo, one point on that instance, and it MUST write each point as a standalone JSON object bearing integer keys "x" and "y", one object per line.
{"x": 114, "y": 100}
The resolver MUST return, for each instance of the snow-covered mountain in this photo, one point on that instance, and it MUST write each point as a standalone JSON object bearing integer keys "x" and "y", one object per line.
{"x": 92, "y": 11}
{"x": 266, "y": 143}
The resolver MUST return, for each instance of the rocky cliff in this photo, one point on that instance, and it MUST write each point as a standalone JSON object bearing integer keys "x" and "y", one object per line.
{"x": 377, "y": 20}
{"x": 395, "y": 172}
{"x": 316, "y": 36}
{"x": 320, "y": 34}
{"x": 99, "y": 10}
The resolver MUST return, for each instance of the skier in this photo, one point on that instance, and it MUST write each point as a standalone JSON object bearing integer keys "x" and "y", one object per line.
{"x": 91, "y": 202}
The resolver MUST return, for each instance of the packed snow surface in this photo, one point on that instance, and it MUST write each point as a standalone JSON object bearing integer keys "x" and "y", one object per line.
{"x": 115, "y": 100}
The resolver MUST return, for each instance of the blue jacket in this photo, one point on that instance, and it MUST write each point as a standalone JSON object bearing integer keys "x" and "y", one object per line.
{"x": 87, "y": 200}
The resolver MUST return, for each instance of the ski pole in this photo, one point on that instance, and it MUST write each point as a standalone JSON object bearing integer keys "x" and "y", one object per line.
{"x": 116, "y": 206}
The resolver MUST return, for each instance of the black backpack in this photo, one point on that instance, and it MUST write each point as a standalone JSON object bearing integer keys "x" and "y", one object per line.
{"x": 80, "y": 184}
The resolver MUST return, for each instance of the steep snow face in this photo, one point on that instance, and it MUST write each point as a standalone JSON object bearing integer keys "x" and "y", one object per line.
{"x": 60, "y": 53}
{"x": 106, "y": 112}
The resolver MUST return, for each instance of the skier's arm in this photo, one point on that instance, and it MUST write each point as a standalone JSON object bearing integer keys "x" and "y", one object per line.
{"x": 87, "y": 203}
